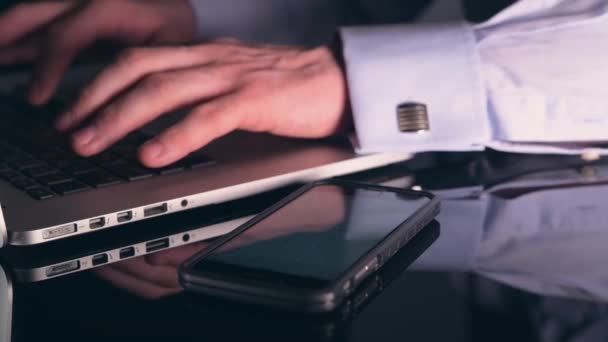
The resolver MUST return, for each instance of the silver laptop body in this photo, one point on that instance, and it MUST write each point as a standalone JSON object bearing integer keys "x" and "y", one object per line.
{"x": 243, "y": 164}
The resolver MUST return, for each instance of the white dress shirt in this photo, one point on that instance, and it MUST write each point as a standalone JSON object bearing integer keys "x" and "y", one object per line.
{"x": 531, "y": 79}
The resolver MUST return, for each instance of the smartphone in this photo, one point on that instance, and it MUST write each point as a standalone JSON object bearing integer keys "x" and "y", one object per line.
{"x": 263, "y": 324}
{"x": 311, "y": 250}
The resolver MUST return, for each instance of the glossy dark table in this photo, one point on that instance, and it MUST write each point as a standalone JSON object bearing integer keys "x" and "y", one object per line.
{"x": 520, "y": 256}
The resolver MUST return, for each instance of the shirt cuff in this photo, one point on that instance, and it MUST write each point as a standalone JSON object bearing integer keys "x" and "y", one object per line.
{"x": 437, "y": 65}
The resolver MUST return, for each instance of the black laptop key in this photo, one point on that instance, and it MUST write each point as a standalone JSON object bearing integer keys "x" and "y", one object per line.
{"x": 24, "y": 183}
{"x": 99, "y": 178}
{"x": 41, "y": 171}
{"x": 195, "y": 161}
{"x": 169, "y": 170}
{"x": 52, "y": 154}
{"x": 62, "y": 162}
{"x": 41, "y": 193}
{"x": 9, "y": 175}
{"x": 70, "y": 187}
{"x": 16, "y": 157}
{"x": 125, "y": 150}
{"x": 106, "y": 159}
{"x": 78, "y": 167}
{"x": 4, "y": 167}
{"x": 28, "y": 164}
{"x": 53, "y": 178}
{"x": 131, "y": 172}
{"x": 136, "y": 138}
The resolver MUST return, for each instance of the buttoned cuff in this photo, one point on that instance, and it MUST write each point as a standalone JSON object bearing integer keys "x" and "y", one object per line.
{"x": 436, "y": 65}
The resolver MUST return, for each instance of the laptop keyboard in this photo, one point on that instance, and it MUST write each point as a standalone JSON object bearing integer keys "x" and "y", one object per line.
{"x": 39, "y": 162}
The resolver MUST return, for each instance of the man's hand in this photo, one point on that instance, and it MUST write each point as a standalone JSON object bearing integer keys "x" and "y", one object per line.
{"x": 230, "y": 85}
{"x": 52, "y": 33}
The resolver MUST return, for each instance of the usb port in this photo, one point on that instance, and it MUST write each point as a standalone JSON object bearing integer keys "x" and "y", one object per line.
{"x": 127, "y": 252}
{"x": 124, "y": 217}
{"x": 156, "y": 210}
{"x": 157, "y": 245}
{"x": 100, "y": 259}
{"x": 97, "y": 223}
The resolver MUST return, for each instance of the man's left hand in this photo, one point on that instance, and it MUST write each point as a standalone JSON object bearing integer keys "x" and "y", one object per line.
{"x": 230, "y": 85}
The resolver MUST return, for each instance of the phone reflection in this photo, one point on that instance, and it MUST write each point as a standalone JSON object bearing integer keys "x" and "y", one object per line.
{"x": 155, "y": 276}
{"x": 274, "y": 325}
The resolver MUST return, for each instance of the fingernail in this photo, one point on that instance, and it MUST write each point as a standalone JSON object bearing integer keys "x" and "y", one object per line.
{"x": 85, "y": 136}
{"x": 154, "y": 149}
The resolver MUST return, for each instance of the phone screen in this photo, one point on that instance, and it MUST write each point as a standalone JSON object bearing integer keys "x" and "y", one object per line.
{"x": 315, "y": 237}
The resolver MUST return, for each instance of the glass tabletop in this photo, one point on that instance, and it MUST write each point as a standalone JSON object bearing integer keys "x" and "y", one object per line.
{"x": 518, "y": 255}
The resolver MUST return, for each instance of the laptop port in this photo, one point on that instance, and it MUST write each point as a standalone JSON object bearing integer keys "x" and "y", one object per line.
{"x": 157, "y": 245}
{"x": 124, "y": 217}
{"x": 156, "y": 210}
{"x": 97, "y": 223}
{"x": 127, "y": 252}
{"x": 100, "y": 259}
{"x": 66, "y": 267}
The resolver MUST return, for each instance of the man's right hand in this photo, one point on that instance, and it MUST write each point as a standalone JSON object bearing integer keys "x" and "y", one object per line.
{"x": 52, "y": 33}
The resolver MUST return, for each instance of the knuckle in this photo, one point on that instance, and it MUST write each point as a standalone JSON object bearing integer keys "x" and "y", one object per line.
{"x": 131, "y": 57}
{"x": 108, "y": 117}
{"x": 159, "y": 83}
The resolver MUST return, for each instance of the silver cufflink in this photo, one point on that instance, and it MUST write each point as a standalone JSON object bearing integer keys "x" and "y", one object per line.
{"x": 413, "y": 117}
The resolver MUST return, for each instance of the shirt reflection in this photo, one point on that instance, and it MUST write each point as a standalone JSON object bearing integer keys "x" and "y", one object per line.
{"x": 544, "y": 233}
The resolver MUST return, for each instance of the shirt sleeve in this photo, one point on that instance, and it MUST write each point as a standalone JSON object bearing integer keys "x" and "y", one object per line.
{"x": 528, "y": 80}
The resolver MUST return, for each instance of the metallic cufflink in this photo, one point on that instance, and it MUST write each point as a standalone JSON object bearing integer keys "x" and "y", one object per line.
{"x": 413, "y": 117}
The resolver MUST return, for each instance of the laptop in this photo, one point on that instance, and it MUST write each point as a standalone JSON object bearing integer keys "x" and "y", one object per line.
{"x": 48, "y": 193}
{"x": 86, "y": 252}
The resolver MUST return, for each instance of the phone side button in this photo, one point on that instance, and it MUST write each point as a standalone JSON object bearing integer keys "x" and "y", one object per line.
{"x": 367, "y": 269}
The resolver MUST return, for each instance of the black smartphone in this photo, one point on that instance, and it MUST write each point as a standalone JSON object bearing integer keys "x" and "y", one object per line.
{"x": 267, "y": 324}
{"x": 312, "y": 249}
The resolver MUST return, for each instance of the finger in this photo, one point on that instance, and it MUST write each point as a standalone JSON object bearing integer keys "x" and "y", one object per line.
{"x": 204, "y": 124}
{"x": 20, "y": 53}
{"x": 24, "y": 19}
{"x": 131, "y": 66}
{"x": 135, "y": 286}
{"x": 139, "y": 268}
{"x": 63, "y": 41}
{"x": 155, "y": 95}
